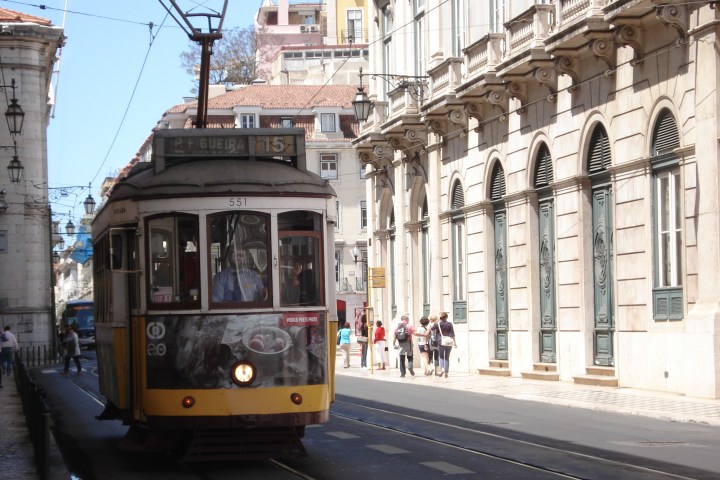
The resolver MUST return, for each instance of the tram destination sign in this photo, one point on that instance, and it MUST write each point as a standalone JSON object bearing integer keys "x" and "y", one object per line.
{"x": 230, "y": 145}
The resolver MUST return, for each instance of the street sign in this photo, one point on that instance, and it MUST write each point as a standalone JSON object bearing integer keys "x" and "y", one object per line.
{"x": 377, "y": 277}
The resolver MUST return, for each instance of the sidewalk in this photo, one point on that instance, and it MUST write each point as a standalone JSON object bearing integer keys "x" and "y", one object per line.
{"x": 17, "y": 459}
{"x": 660, "y": 405}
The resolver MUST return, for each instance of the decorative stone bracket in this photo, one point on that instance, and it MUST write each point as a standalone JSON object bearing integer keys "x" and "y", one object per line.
{"x": 604, "y": 49}
{"x": 632, "y": 36}
{"x": 547, "y": 76}
{"x": 475, "y": 110}
{"x": 675, "y": 16}
{"x": 567, "y": 65}
{"x": 498, "y": 99}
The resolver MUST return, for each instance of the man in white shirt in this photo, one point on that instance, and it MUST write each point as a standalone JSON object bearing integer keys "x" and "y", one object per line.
{"x": 8, "y": 345}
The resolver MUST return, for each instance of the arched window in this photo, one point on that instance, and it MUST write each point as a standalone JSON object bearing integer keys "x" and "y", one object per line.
{"x": 543, "y": 168}
{"x": 667, "y": 212}
{"x": 457, "y": 202}
{"x": 598, "y": 159}
{"x": 497, "y": 183}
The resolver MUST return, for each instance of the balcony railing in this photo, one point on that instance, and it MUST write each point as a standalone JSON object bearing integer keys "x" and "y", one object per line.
{"x": 484, "y": 55}
{"x": 445, "y": 78}
{"x": 530, "y": 29}
{"x": 570, "y": 11}
{"x": 357, "y": 36}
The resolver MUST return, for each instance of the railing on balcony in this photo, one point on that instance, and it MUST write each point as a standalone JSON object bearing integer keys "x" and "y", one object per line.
{"x": 351, "y": 285}
{"x": 445, "y": 78}
{"x": 530, "y": 29}
{"x": 353, "y": 36}
{"x": 397, "y": 102}
{"x": 568, "y": 11}
{"x": 484, "y": 55}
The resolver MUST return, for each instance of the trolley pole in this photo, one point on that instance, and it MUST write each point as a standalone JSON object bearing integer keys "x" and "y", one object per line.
{"x": 206, "y": 38}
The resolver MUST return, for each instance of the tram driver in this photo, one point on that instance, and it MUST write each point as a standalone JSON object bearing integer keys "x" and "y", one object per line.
{"x": 237, "y": 282}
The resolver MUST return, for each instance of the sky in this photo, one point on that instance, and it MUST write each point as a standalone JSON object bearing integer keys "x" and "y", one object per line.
{"x": 113, "y": 82}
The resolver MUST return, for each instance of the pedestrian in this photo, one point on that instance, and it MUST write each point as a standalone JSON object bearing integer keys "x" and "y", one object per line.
{"x": 433, "y": 348}
{"x": 362, "y": 339}
{"x": 423, "y": 334}
{"x": 8, "y": 345}
{"x": 72, "y": 350}
{"x": 380, "y": 344}
{"x": 445, "y": 331}
{"x": 344, "y": 343}
{"x": 403, "y": 342}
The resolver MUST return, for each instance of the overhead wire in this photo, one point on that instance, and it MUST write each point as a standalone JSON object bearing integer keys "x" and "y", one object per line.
{"x": 132, "y": 95}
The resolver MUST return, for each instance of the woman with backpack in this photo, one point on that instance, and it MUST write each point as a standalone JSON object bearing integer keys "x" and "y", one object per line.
{"x": 432, "y": 345}
{"x": 446, "y": 334}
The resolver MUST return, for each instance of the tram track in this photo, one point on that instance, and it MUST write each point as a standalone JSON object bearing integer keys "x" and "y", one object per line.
{"x": 503, "y": 454}
{"x": 549, "y": 459}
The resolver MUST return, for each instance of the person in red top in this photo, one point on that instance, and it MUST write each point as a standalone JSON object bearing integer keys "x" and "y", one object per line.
{"x": 380, "y": 344}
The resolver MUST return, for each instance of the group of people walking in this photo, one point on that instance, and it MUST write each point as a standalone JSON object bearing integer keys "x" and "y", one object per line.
{"x": 435, "y": 341}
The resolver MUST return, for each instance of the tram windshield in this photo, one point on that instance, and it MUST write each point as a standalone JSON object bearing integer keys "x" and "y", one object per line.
{"x": 238, "y": 248}
{"x": 238, "y": 257}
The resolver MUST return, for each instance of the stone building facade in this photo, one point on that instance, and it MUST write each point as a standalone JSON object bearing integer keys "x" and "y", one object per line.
{"x": 28, "y": 46}
{"x": 547, "y": 172}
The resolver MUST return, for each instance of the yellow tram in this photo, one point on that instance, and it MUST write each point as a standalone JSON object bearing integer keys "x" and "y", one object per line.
{"x": 214, "y": 298}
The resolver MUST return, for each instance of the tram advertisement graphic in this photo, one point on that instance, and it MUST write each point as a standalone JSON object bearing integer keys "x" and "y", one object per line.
{"x": 198, "y": 351}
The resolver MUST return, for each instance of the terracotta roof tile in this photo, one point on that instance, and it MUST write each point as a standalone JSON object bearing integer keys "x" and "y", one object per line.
{"x": 11, "y": 16}
{"x": 280, "y": 96}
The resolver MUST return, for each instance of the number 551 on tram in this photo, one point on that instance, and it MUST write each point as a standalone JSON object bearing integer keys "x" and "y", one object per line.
{"x": 213, "y": 311}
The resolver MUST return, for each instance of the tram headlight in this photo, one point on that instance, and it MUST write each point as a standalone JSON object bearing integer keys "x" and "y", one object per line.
{"x": 243, "y": 373}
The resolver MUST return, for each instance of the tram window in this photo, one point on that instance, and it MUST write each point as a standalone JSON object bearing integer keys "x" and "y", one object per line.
{"x": 238, "y": 244}
{"x": 116, "y": 251}
{"x": 174, "y": 262}
{"x": 300, "y": 258}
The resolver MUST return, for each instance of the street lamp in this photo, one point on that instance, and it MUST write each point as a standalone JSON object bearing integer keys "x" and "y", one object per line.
{"x": 15, "y": 168}
{"x": 70, "y": 226}
{"x": 89, "y": 203}
{"x": 14, "y": 115}
{"x": 413, "y": 84}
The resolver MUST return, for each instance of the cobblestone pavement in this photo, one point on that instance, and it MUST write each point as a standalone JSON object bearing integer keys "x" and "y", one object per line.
{"x": 631, "y": 401}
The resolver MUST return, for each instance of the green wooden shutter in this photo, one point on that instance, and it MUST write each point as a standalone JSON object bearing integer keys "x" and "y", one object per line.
{"x": 599, "y": 153}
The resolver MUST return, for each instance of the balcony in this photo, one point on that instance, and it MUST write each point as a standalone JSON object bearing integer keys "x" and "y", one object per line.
{"x": 525, "y": 40}
{"x": 578, "y": 23}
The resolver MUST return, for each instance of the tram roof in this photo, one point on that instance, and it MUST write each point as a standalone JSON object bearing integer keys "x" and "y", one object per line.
{"x": 205, "y": 162}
